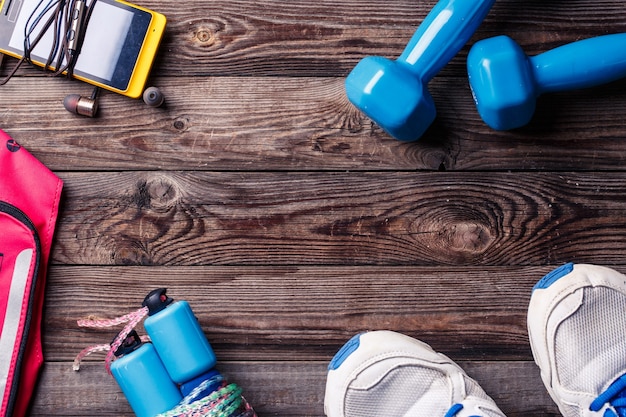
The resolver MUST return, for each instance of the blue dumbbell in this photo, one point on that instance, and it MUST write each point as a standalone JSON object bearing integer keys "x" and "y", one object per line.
{"x": 394, "y": 94}
{"x": 506, "y": 83}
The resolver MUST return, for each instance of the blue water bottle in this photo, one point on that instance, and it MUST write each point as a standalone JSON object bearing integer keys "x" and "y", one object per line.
{"x": 141, "y": 375}
{"x": 177, "y": 337}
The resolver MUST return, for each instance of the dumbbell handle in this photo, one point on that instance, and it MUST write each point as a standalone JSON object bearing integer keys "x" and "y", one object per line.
{"x": 581, "y": 64}
{"x": 442, "y": 34}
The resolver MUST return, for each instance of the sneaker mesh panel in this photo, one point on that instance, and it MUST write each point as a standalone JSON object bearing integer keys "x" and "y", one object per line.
{"x": 399, "y": 391}
{"x": 570, "y": 410}
{"x": 590, "y": 343}
{"x": 490, "y": 413}
{"x": 474, "y": 390}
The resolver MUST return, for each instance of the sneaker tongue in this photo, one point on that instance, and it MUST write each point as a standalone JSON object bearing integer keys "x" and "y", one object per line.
{"x": 615, "y": 396}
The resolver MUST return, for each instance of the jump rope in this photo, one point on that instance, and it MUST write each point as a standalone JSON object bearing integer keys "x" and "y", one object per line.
{"x": 213, "y": 397}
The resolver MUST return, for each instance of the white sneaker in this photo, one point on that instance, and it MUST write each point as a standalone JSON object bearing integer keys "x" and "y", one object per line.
{"x": 577, "y": 329}
{"x": 387, "y": 374}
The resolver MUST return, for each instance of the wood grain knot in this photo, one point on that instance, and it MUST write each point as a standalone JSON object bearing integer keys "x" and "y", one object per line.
{"x": 466, "y": 237}
{"x": 181, "y": 124}
{"x": 205, "y": 36}
{"x": 132, "y": 255}
{"x": 159, "y": 194}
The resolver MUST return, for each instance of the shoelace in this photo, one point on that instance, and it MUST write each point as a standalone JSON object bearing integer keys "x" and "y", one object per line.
{"x": 214, "y": 397}
{"x": 454, "y": 410}
{"x": 615, "y": 396}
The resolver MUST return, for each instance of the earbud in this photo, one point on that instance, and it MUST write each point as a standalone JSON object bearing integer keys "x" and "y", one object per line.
{"x": 153, "y": 97}
{"x": 88, "y": 106}
{"x": 85, "y": 106}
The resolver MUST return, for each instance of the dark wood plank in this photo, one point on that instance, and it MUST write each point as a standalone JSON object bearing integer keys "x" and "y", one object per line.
{"x": 273, "y": 38}
{"x": 299, "y": 313}
{"x": 300, "y": 38}
{"x": 231, "y": 124}
{"x": 373, "y": 218}
{"x": 302, "y": 313}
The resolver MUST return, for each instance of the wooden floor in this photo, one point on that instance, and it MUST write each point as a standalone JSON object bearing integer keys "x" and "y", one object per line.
{"x": 290, "y": 222}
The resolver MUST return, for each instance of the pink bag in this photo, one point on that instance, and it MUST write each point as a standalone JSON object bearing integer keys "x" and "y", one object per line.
{"x": 29, "y": 202}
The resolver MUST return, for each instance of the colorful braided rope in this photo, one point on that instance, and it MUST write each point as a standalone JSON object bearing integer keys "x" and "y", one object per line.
{"x": 131, "y": 319}
{"x": 224, "y": 401}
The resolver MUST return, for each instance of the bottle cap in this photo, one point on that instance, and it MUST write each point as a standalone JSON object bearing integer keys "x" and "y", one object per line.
{"x": 156, "y": 301}
{"x": 130, "y": 344}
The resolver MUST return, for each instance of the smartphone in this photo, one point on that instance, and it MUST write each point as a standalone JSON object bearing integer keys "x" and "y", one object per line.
{"x": 119, "y": 46}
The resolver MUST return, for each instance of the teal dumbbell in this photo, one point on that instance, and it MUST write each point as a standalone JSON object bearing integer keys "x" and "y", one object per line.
{"x": 506, "y": 83}
{"x": 394, "y": 94}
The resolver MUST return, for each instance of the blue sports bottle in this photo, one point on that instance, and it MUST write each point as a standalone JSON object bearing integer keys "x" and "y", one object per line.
{"x": 141, "y": 375}
{"x": 177, "y": 337}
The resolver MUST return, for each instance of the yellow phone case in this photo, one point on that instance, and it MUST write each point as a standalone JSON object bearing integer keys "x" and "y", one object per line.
{"x": 143, "y": 64}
